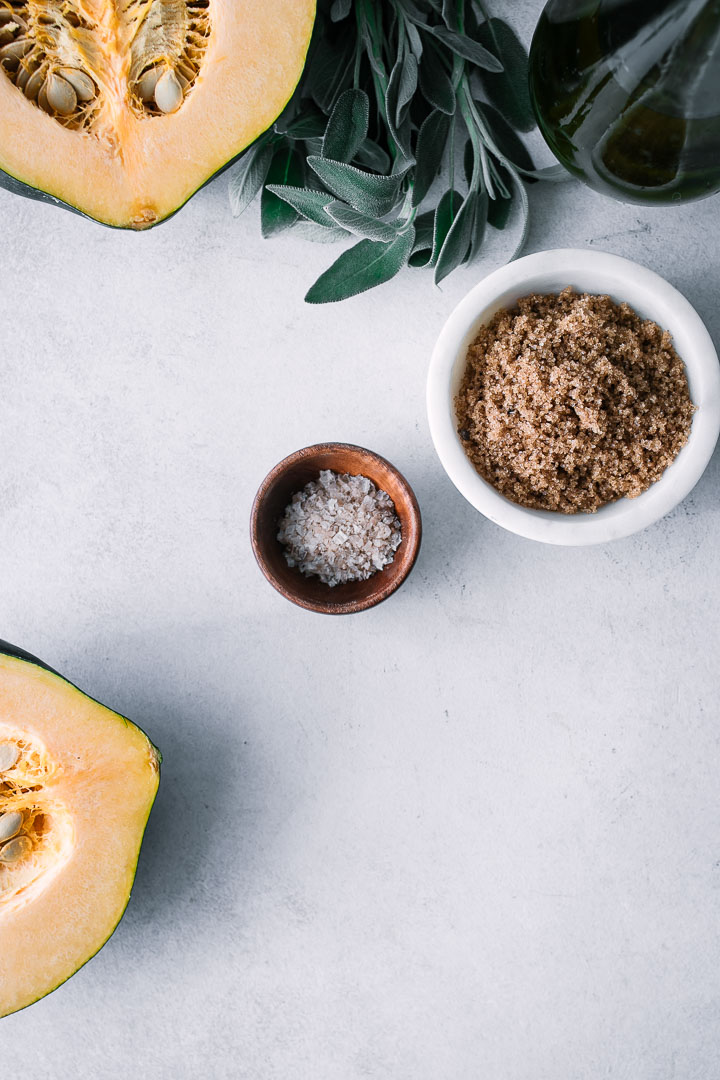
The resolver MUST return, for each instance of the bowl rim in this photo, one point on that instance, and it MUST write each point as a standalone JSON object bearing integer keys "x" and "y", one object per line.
{"x": 645, "y": 291}
{"x": 389, "y": 586}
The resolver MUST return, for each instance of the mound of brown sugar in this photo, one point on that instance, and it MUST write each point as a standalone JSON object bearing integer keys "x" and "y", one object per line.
{"x": 569, "y": 402}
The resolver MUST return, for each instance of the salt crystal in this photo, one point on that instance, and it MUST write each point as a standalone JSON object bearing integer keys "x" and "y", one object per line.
{"x": 340, "y": 528}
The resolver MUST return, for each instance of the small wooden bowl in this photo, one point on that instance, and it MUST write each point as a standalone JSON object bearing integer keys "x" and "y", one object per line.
{"x": 291, "y": 475}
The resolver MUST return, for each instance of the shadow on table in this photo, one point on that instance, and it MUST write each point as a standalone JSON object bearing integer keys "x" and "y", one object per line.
{"x": 198, "y": 840}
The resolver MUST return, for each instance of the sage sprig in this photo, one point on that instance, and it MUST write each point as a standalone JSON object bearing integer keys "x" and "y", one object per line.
{"x": 394, "y": 95}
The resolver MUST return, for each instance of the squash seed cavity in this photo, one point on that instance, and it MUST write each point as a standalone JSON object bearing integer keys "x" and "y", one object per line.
{"x": 75, "y": 66}
{"x": 36, "y": 830}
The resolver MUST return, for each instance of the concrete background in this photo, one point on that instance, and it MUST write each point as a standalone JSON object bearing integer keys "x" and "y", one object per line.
{"x": 473, "y": 834}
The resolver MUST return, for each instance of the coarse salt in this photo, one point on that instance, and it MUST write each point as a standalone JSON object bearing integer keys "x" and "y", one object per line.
{"x": 340, "y": 528}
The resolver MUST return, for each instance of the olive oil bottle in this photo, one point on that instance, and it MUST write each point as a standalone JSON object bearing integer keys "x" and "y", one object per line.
{"x": 627, "y": 94}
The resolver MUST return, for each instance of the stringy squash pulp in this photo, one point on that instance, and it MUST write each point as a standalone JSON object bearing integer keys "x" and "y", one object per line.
{"x": 124, "y": 108}
{"x": 77, "y": 783}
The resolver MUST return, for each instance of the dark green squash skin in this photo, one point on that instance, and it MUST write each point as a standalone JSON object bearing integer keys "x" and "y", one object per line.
{"x": 12, "y": 650}
{"x": 7, "y": 649}
{"x": 17, "y": 187}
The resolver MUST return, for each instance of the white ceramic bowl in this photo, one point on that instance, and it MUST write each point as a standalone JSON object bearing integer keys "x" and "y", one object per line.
{"x": 592, "y": 272}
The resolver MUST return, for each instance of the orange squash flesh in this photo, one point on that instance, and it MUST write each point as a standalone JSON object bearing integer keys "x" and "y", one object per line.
{"x": 86, "y": 780}
{"x": 131, "y": 170}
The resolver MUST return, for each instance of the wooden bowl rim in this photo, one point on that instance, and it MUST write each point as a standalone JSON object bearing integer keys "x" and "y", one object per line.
{"x": 391, "y": 584}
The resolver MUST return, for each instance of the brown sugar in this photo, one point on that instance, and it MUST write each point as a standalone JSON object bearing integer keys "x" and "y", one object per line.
{"x": 571, "y": 401}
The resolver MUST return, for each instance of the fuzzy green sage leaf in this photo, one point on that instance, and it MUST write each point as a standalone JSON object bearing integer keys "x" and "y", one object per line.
{"x": 347, "y": 127}
{"x": 456, "y": 247}
{"x": 286, "y": 167}
{"x": 248, "y": 176}
{"x": 508, "y": 89}
{"x": 366, "y": 192}
{"x": 360, "y": 224}
{"x": 467, "y": 49}
{"x": 364, "y": 266}
{"x": 309, "y": 204}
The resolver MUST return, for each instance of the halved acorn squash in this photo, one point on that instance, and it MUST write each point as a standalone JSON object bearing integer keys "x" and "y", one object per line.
{"x": 122, "y": 109}
{"x": 77, "y": 783}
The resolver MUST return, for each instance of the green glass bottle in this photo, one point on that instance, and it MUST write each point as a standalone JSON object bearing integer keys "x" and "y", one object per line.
{"x": 627, "y": 94}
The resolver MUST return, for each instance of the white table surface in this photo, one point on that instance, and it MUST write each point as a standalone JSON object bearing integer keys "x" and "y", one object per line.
{"x": 472, "y": 834}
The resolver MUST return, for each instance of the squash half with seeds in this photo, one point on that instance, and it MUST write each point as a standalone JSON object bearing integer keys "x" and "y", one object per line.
{"x": 122, "y": 109}
{"x": 77, "y": 783}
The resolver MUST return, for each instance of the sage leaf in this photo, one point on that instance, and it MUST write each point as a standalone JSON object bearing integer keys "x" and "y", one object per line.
{"x": 366, "y": 192}
{"x": 318, "y": 234}
{"x": 329, "y": 68}
{"x": 413, "y": 12}
{"x": 360, "y": 224}
{"x": 478, "y": 233}
{"x": 445, "y": 213}
{"x": 286, "y": 167}
{"x": 347, "y": 127}
{"x": 431, "y": 142}
{"x": 414, "y": 40}
{"x": 449, "y": 14}
{"x": 435, "y": 83}
{"x": 525, "y": 215}
{"x": 510, "y": 144}
{"x": 422, "y": 248}
{"x": 508, "y": 89}
{"x": 340, "y": 10}
{"x": 402, "y": 136}
{"x": 456, "y": 247}
{"x": 308, "y": 125}
{"x": 466, "y": 48}
{"x": 499, "y": 211}
{"x": 248, "y": 176}
{"x": 373, "y": 156}
{"x": 364, "y": 266}
{"x": 372, "y": 39}
{"x": 401, "y": 87}
{"x": 309, "y": 204}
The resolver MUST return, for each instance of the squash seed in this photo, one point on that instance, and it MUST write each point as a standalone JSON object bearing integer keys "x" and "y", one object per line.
{"x": 32, "y": 86}
{"x": 60, "y": 95}
{"x": 16, "y": 49}
{"x": 21, "y": 79}
{"x": 168, "y": 92}
{"x": 9, "y": 756}
{"x": 15, "y": 849}
{"x": 147, "y": 83}
{"x": 7, "y": 17}
{"x": 10, "y": 824}
{"x": 8, "y": 32}
{"x": 42, "y": 98}
{"x": 81, "y": 83}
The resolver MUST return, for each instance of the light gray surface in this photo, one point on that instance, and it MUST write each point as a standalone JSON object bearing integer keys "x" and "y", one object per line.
{"x": 472, "y": 834}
